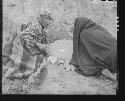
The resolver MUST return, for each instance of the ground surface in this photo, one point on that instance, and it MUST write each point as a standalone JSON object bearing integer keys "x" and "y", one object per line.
{"x": 59, "y": 81}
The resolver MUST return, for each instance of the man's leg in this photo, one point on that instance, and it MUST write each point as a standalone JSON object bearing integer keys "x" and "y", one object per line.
{"x": 75, "y": 38}
{"x": 78, "y": 26}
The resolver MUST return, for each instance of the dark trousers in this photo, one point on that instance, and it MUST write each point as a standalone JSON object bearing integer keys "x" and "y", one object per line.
{"x": 93, "y": 47}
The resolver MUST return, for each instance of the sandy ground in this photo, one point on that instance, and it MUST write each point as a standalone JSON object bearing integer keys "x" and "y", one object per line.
{"x": 59, "y": 81}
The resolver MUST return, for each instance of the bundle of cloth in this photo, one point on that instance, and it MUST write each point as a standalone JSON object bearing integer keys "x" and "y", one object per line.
{"x": 24, "y": 54}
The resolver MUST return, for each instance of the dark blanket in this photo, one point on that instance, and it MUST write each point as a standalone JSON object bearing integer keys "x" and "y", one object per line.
{"x": 94, "y": 48}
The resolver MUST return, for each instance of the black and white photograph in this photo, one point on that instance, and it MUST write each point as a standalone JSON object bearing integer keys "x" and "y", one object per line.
{"x": 59, "y": 47}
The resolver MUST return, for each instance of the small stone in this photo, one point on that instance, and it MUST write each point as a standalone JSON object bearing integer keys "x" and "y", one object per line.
{"x": 70, "y": 68}
{"x": 52, "y": 59}
{"x": 61, "y": 62}
{"x": 73, "y": 68}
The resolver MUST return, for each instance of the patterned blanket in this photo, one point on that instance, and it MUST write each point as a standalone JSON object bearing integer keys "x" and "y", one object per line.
{"x": 22, "y": 57}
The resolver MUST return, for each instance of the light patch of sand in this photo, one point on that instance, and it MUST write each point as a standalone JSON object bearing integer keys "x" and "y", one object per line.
{"x": 60, "y": 81}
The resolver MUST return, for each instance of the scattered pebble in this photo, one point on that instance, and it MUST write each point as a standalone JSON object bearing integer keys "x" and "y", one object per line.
{"x": 51, "y": 59}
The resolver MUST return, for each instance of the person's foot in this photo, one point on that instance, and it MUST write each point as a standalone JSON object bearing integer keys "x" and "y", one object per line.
{"x": 109, "y": 75}
{"x": 37, "y": 81}
{"x": 85, "y": 73}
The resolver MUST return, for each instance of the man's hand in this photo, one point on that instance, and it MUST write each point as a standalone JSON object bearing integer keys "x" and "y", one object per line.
{"x": 30, "y": 40}
{"x": 41, "y": 46}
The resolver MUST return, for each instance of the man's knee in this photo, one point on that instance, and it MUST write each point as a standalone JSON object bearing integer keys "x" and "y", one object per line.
{"x": 81, "y": 20}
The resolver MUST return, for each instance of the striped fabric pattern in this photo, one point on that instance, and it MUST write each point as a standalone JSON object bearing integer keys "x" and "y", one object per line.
{"x": 21, "y": 54}
{"x": 16, "y": 55}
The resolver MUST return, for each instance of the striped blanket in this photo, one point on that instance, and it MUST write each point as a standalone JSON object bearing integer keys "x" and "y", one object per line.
{"x": 19, "y": 59}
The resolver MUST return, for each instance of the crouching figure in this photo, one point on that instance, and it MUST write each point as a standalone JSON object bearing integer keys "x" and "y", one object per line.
{"x": 25, "y": 53}
{"x": 94, "y": 48}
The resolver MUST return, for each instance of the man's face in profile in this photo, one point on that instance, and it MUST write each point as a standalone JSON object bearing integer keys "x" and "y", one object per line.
{"x": 45, "y": 20}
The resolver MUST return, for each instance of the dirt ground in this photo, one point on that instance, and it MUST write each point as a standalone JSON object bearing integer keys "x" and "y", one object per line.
{"x": 60, "y": 81}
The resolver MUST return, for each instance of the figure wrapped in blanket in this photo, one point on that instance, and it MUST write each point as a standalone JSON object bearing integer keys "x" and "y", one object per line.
{"x": 25, "y": 54}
